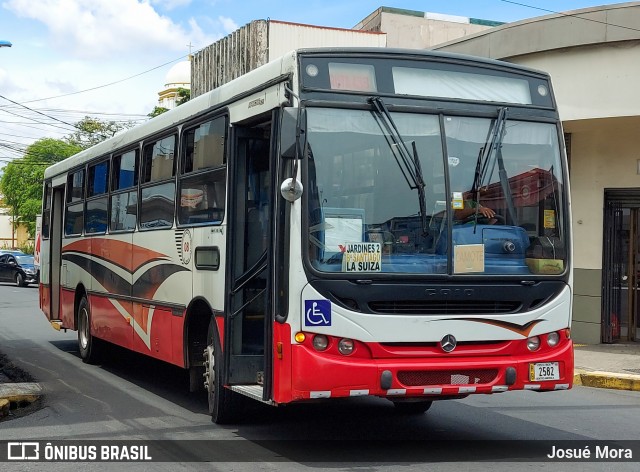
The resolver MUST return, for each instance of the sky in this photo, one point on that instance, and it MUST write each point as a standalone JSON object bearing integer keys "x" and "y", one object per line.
{"x": 109, "y": 58}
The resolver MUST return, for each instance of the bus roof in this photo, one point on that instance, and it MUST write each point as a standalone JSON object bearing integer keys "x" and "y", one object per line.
{"x": 282, "y": 66}
{"x": 192, "y": 108}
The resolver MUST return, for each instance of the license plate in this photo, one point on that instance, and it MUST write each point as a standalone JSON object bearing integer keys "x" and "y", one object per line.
{"x": 544, "y": 371}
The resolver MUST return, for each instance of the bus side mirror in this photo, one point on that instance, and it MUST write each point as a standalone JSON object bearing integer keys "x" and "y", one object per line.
{"x": 289, "y": 133}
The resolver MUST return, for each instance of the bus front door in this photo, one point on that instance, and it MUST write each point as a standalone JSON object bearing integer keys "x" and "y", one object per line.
{"x": 249, "y": 284}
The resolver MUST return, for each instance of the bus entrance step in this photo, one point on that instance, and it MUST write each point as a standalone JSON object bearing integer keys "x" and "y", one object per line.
{"x": 251, "y": 391}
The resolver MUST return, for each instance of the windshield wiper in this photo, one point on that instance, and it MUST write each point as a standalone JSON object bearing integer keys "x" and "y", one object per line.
{"x": 491, "y": 147}
{"x": 408, "y": 162}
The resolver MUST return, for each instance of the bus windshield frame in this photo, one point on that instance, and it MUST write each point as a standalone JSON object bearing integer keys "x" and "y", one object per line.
{"x": 364, "y": 217}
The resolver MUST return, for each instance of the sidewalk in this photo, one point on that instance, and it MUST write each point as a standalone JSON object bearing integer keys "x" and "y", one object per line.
{"x": 614, "y": 366}
{"x": 608, "y": 365}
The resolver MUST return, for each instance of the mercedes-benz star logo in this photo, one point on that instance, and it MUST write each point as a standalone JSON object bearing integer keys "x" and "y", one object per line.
{"x": 448, "y": 343}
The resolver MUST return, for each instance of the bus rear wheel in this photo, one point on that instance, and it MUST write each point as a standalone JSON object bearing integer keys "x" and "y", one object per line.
{"x": 89, "y": 347}
{"x": 223, "y": 406}
{"x": 412, "y": 407}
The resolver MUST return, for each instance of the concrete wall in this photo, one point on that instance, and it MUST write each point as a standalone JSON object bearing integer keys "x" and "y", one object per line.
{"x": 604, "y": 154}
{"x": 588, "y": 26}
{"x": 419, "y": 30}
{"x": 420, "y": 33}
{"x": 20, "y": 236}
{"x": 598, "y": 81}
{"x": 592, "y": 57}
{"x": 587, "y": 306}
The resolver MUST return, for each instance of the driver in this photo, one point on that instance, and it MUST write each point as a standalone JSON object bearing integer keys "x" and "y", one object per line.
{"x": 470, "y": 208}
{"x": 461, "y": 173}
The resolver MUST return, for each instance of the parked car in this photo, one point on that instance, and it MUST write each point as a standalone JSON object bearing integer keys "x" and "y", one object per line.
{"x": 10, "y": 251}
{"x": 19, "y": 269}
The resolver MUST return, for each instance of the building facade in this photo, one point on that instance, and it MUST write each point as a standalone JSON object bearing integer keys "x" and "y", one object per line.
{"x": 592, "y": 56}
{"x": 418, "y": 30}
{"x": 178, "y": 77}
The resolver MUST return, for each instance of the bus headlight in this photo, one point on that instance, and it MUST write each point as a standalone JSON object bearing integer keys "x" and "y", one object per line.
{"x": 533, "y": 343}
{"x": 553, "y": 339}
{"x": 345, "y": 346}
{"x": 320, "y": 342}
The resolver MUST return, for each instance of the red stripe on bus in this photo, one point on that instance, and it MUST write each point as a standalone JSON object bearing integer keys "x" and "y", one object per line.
{"x": 126, "y": 255}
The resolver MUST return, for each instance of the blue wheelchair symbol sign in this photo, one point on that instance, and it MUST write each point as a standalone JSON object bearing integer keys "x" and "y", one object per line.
{"x": 317, "y": 313}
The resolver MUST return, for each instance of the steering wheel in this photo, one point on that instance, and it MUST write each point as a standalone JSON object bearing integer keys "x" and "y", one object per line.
{"x": 481, "y": 218}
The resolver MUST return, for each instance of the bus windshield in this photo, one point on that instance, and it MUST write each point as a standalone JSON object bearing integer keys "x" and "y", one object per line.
{"x": 365, "y": 214}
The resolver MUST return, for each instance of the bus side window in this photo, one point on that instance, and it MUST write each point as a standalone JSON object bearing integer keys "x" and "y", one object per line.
{"x": 124, "y": 197}
{"x": 74, "y": 213}
{"x": 157, "y": 195}
{"x": 97, "y": 203}
{"x": 202, "y": 185}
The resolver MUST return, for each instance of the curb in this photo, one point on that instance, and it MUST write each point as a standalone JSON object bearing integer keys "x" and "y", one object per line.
{"x": 5, "y": 405}
{"x": 611, "y": 380}
{"x": 17, "y": 395}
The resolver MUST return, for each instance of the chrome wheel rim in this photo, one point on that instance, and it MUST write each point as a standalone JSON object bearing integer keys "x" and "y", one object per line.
{"x": 84, "y": 328}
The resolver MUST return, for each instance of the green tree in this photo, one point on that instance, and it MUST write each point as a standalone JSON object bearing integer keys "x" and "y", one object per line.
{"x": 157, "y": 111}
{"x": 91, "y": 131}
{"x": 21, "y": 182}
{"x": 184, "y": 95}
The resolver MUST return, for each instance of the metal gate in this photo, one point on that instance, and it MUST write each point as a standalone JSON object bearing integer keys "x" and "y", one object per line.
{"x": 612, "y": 272}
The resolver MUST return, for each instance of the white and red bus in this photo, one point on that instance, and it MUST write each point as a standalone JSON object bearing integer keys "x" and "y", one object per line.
{"x": 336, "y": 223}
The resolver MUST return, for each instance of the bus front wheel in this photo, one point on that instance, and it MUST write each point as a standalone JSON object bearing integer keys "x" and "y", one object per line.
{"x": 222, "y": 401}
{"x": 88, "y": 345}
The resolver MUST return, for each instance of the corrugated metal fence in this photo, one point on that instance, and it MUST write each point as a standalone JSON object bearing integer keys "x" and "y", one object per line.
{"x": 230, "y": 57}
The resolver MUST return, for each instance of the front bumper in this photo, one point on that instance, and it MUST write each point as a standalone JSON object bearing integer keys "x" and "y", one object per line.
{"x": 316, "y": 375}
{"x": 31, "y": 278}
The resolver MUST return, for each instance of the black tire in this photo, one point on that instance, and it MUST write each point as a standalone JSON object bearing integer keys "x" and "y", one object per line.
{"x": 20, "y": 280}
{"x": 90, "y": 347}
{"x": 412, "y": 407}
{"x": 223, "y": 403}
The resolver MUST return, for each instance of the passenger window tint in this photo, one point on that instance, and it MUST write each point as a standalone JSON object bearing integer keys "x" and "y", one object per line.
{"x": 124, "y": 211}
{"x": 156, "y": 206}
{"x": 202, "y": 186}
{"x": 204, "y": 146}
{"x": 96, "y": 220}
{"x": 74, "y": 218}
{"x": 75, "y": 187}
{"x": 125, "y": 171}
{"x": 159, "y": 163}
{"x": 98, "y": 179}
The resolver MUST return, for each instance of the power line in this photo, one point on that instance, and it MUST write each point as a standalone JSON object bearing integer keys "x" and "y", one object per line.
{"x": 32, "y": 119}
{"x": 81, "y": 112}
{"x": 574, "y": 15}
{"x": 18, "y": 136}
{"x": 106, "y": 85}
{"x": 21, "y": 123}
{"x": 36, "y": 111}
